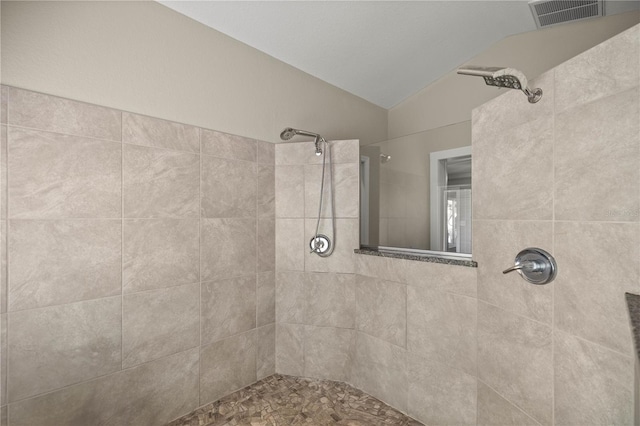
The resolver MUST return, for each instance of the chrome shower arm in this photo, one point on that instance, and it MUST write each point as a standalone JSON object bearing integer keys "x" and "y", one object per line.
{"x": 510, "y": 78}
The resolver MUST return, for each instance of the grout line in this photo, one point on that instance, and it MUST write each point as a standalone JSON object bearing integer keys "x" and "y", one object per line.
{"x": 112, "y": 373}
{"x": 509, "y": 401}
{"x": 200, "y": 261}
{"x": 553, "y": 250}
{"x": 121, "y": 247}
{"x": 5, "y": 380}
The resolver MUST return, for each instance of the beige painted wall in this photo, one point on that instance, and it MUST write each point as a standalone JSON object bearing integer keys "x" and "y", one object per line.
{"x": 143, "y": 57}
{"x": 451, "y": 99}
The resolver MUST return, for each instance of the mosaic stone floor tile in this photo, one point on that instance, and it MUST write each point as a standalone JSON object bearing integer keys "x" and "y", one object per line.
{"x": 286, "y": 400}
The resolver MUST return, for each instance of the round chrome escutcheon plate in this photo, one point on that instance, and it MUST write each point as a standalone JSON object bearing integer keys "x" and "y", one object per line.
{"x": 320, "y": 244}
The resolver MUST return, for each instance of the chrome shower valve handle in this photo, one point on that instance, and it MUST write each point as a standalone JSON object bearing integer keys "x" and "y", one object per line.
{"x": 535, "y": 265}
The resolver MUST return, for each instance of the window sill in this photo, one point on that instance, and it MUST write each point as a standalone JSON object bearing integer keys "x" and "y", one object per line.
{"x": 432, "y": 258}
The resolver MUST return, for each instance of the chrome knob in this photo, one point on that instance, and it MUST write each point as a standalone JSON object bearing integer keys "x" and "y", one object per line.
{"x": 535, "y": 265}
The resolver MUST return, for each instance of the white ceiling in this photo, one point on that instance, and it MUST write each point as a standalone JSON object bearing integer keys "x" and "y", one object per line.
{"x": 382, "y": 51}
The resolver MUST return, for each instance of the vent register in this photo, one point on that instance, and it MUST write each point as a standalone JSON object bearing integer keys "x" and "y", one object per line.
{"x": 548, "y": 13}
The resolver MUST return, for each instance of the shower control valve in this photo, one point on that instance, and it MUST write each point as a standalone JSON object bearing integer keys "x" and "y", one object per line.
{"x": 534, "y": 265}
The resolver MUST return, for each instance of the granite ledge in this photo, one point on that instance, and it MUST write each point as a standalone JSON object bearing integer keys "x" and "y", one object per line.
{"x": 417, "y": 257}
{"x": 633, "y": 303}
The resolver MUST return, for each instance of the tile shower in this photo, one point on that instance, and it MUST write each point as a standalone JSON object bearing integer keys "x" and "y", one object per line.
{"x": 205, "y": 236}
{"x": 136, "y": 291}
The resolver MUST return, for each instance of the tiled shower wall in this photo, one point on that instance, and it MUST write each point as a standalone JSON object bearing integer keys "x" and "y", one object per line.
{"x": 402, "y": 331}
{"x": 563, "y": 175}
{"x": 465, "y": 346}
{"x": 138, "y": 264}
{"x": 315, "y": 297}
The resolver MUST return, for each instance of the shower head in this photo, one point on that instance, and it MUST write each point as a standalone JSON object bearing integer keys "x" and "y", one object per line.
{"x": 290, "y": 132}
{"x": 503, "y": 77}
{"x": 287, "y": 134}
{"x": 384, "y": 158}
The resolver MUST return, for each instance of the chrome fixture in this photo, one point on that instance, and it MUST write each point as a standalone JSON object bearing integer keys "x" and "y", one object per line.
{"x": 289, "y": 132}
{"x": 320, "y": 244}
{"x": 384, "y": 158}
{"x": 503, "y": 77}
{"x": 535, "y": 265}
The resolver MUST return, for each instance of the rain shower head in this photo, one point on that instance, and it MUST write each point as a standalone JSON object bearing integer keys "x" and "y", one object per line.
{"x": 503, "y": 77}
{"x": 290, "y": 132}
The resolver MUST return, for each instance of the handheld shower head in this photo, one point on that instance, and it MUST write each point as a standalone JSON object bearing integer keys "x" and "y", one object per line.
{"x": 503, "y": 77}
{"x": 290, "y": 132}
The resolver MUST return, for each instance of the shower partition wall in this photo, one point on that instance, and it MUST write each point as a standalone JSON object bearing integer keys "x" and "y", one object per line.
{"x": 140, "y": 260}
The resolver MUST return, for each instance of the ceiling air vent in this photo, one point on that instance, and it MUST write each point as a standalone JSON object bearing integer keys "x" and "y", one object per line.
{"x": 554, "y": 12}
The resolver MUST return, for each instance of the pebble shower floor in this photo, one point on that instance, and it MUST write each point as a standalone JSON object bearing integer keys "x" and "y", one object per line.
{"x": 285, "y": 400}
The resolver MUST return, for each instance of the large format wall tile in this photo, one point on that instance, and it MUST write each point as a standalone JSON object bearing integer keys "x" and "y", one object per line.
{"x": 330, "y": 300}
{"x": 227, "y": 366}
{"x": 342, "y": 151}
{"x": 290, "y": 297}
{"x": 265, "y": 298}
{"x": 148, "y": 131}
{"x": 384, "y": 268}
{"x": 266, "y": 250}
{"x": 494, "y": 410}
{"x": 53, "y": 347}
{"x": 599, "y": 262}
{"x": 228, "y": 307}
{"x": 290, "y": 244}
{"x": 60, "y": 176}
{"x": 381, "y": 370}
{"x": 3, "y": 359}
{"x": 4, "y": 282}
{"x": 228, "y": 188}
{"x": 3, "y": 172}
{"x": 224, "y": 145}
{"x": 346, "y": 189}
{"x": 160, "y": 183}
{"x": 4, "y": 96}
{"x": 266, "y": 152}
{"x": 600, "y": 71}
{"x": 150, "y": 394}
{"x": 508, "y": 111}
{"x": 265, "y": 351}
{"x": 329, "y": 353}
{"x": 290, "y": 349}
{"x": 266, "y": 195}
{"x": 44, "y": 112}
{"x": 515, "y": 167}
{"x": 61, "y": 261}
{"x": 439, "y": 395}
{"x": 593, "y": 385}
{"x": 160, "y": 253}
{"x": 597, "y": 154}
{"x": 381, "y": 309}
{"x": 515, "y": 358}
{"x": 496, "y": 244}
{"x": 435, "y": 276}
{"x": 293, "y": 153}
{"x": 289, "y": 185}
{"x": 158, "y": 323}
{"x": 442, "y": 327}
{"x": 227, "y": 248}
